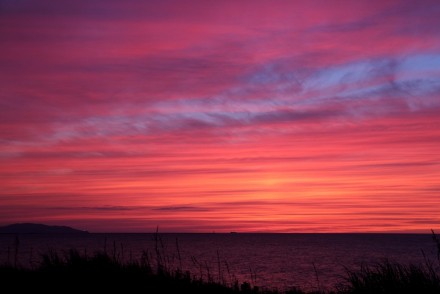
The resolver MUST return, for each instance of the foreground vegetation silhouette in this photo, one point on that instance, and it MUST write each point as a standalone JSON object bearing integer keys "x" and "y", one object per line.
{"x": 75, "y": 272}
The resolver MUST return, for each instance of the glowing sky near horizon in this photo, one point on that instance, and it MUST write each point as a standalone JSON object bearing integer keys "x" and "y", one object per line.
{"x": 201, "y": 116}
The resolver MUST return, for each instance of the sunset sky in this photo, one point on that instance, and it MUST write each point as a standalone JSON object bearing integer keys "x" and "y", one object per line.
{"x": 202, "y": 116}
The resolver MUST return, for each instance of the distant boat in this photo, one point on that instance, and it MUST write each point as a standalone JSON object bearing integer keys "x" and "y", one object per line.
{"x": 233, "y": 233}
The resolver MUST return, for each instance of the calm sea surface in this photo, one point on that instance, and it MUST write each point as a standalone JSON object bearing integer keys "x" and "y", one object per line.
{"x": 270, "y": 260}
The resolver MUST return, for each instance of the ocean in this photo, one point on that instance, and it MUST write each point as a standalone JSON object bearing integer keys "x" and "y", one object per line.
{"x": 282, "y": 261}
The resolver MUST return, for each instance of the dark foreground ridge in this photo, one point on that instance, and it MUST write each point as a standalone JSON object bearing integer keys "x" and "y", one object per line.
{"x": 73, "y": 271}
{"x": 31, "y": 228}
{"x": 77, "y": 272}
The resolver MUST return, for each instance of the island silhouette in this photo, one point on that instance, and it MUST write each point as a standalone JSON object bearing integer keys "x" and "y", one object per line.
{"x": 32, "y": 228}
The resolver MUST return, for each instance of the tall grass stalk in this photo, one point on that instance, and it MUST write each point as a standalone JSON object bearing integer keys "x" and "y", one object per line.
{"x": 436, "y": 240}
{"x": 389, "y": 277}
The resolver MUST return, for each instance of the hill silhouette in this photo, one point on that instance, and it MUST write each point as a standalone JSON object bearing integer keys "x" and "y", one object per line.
{"x": 31, "y": 228}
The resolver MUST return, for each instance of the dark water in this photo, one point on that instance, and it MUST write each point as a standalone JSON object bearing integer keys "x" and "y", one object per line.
{"x": 310, "y": 261}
